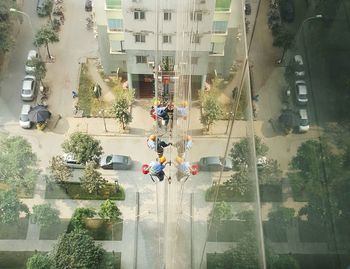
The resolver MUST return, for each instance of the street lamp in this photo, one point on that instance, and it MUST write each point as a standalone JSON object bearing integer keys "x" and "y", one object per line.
{"x": 318, "y": 16}
{"x": 25, "y": 14}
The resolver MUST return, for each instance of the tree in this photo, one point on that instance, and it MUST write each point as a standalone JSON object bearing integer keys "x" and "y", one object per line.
{"x": 282, "y": 217}
{"x": 40, "y": 68}
{"x": 45, "y": 215}
{"x": 83, "y": 146}
{"x": 44, "y": 36}
{"x": 92, "y": 180}
{"x": 283, "y": 39}
{"x": 239, "y": 182}
{"x": 109, "y": 211}
{"x": 283, "y": 262}
{"x": 121, "y": 111}
{"x": 17, "y": 163}
{"x": 270, "y": 173}
{"x": 47, "y": 7}
{"x": 39, "y": 261}
{"x": 77, "y": 221}
{"x": 211, "y": 110}
{"x": 6, "y": 26}
{"x": 77, "y": 250}
{"x": 248, "y": 217}
{"x": 59, "y": 171}
{"x": 220, "y": 213}
{"x": 10, "y": 207}
{"x": 240, "y": 153}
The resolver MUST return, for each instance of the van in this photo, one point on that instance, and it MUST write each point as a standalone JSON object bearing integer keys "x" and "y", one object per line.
{"x": 24, "y": 121}
{"x": 42, "y": 7}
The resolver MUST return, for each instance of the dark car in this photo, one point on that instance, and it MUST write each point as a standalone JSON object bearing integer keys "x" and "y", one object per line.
{"x": 116, "y": 162}
{"x": 214, "y": 163}
{"x": 88, "y": 5}
{"x": 287, "y": 10}
{"x": 247, "y": 9}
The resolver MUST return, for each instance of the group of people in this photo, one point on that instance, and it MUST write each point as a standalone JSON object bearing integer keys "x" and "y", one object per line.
{"x": 183, "y": 167}
{"x": 164, "y": 112}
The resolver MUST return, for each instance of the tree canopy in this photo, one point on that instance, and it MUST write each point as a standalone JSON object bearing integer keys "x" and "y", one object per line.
{"x": 39, "y": 261}
{"x": 6, "y": 26}
{"x": 10, "y": 207}
{"x": 44, "y": 36}
{"x": 109, "y": 211}
{"x": 77, "y": 221}
{"x": 92, "y": 180}
{"x": 45, "y": 215}
{"x": 83, "y": 146}
{"x": 211, "y": 110}
{"x": 59, "y": 172}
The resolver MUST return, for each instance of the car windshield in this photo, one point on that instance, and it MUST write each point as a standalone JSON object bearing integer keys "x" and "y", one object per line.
{"x": 24, "y": 117}
{"x": 26, "y": 92}
{"x": 109, "y": 158}
{"x": 304, "y": 122}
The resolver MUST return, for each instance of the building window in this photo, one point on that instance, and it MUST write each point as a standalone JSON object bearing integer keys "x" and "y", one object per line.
{"x": 141, "y": 59}
{"x": 222, "y": 5}
{"x": 113, "y": 4}
{"x": 194, "y": 60}
{"x": 216, "y": 48}
{"x": 196, "y": 16}
{"x": 116, "y": 46}
{"x": 166, "y": 38}
{"x": 195, "y": 38}
{"x": 139, "y": 15}
{"x": 167, "y": 16}
{"x": 115, "y": 25}
{"x": 140, "y": 38}
{"x": 219, "y": 27}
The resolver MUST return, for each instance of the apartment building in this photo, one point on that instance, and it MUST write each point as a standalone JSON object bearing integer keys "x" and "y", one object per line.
{"x": 188, "y": 37}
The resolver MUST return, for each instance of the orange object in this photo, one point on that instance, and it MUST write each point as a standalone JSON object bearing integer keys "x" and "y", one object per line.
{"x": 145, "y": 170}
{"x": 194, "y": 169}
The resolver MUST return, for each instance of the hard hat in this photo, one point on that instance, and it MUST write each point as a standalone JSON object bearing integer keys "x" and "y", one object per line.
{"x": 179, "y": 160}
{"x": 162, "y": 160}
{"x": 152, "y": 137}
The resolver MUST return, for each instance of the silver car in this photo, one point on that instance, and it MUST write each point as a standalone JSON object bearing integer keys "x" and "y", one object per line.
{"x": 304, "y": 121}
{"x": 299, "y": 66}
{"x": 70, "y": 161}
{"x": 301, "y": 92}
{"x": 116, "y": 162}
{"x": 214, "y": 163}
{"x": 29, "y": 68}
{"x": 28, "y": 88}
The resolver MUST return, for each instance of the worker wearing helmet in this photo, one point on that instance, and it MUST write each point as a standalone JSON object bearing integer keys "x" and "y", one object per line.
{"x": 156, "y": 168}
{"x": 183, "y": 145}
{"x": 153, "y": 142}
{"x": 183, "y": 168}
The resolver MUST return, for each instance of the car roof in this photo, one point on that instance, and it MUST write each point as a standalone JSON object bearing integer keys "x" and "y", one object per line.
{"x": 31, "y": 54}
{"x": 118, "y": 158}
{"x": 25, "y": 109}
{"x": 212, "y": 160}
{"x": 27, "y": 84}
{"x": 303, "y": 114}
{"x": 302, "y": 89}
{"x": 298, "y": 59}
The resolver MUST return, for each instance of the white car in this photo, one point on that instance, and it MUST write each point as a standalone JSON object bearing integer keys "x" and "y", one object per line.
{"x": 299, "y": 66}
{"x": 24, "y": 121}
{"x": 304, "y": 121}
{"x": 28, "y": 88}
{"x": 29, "y": 68}
{"x": 70, "y": 161}
{"x": 301, "y": 92}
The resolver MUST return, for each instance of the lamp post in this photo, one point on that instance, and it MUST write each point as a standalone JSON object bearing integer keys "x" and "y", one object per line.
{"x": 318, "y": 16}
{"x": 26, "y": 15}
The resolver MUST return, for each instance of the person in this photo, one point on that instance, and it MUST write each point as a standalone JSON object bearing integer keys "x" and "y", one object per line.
{"x": 156, "y": 168}
{"x": 183, "y": 145}
{"x": 153, "y": 142}
{"x": 74, "y": 93}
{"x": 162, "y": 113}
{"x": 183, "y": 168}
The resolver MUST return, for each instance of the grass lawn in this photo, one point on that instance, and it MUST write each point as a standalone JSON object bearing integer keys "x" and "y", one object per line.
{"x": 322, "y": 261}
{"x": 228, "y": 195}
{"x": 274, "y": 233}
{"x": 14, "y": 231}
{"x": 214, "y": 260}
{"x": 75, "y": 191}
{"x": 97, "y": 229}
{"x": 14, "y": 259}
{"x": 311, "y": 233}
{"x": 271, "y": 193}
{"x": 21, "y": 193}
{"x": 228, "y": 231}
{"x": 85, "y": 91}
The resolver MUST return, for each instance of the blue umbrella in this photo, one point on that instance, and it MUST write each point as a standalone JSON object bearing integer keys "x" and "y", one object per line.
{"x": 39, "y": 113}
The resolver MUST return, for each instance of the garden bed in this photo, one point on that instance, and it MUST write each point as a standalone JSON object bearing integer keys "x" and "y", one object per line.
{"x": 14, "y": 259}
{"x": 309, "y": 232}
{"x": 96, "y": 228}
{"x": 15, "y": 230}
{"x": 75, "y": 191}
{"x": 228, "y": 231}
{"x": 322, "y": 261}
{"x": 274, "y": 233}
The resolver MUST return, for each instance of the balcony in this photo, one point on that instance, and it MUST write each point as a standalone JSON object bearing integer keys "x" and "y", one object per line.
{"x": 113, "y": 4}
{"x": 223, "y": 5}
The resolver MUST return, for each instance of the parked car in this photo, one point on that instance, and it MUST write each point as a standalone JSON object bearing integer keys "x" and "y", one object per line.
{"x": 299, "y": 66}
{"x": 261, "y": 162}
{"x": 28, "y": 88}
{"x": 24, "y": 121}
{"x": 116, "y": 162}
{"x": 70, "y": 161}
{"x": 214, "y": 163}
{"x": 88, "y": 5}
{"x": 287, "y": 10}
{"x": 41, "y": 8}
{"x": 304, "y": 121}
{"x": 247, "y": 9}
{"x": 301, "y": 92}
{"x": 29, "y": 68}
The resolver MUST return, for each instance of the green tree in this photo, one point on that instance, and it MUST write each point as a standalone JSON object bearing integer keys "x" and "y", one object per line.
{"x": 77, "y": 250}
{"x": 283, "y": 262}
{"x": 59, "y": 172}
{"x": 121, "y": 111}
{"x": 40, "y": 68}
{"x": 6, "y": 26}
{"x": 221, "y": 212}
{"x": 17, "y": 162}
{"x": 211, "y": 110}
{"x": 240, "y": 153}
{"x": 248, "y": 217}
{"x": 239, "y": 181}
{"x": 77, "y": 221}
{"x": 109, "y": 211}
{"x": 283, "y": 38}
{"x": 39, "y": 261}
{"x": 11, "y": 207}
{"x": 270, "y": 173}
{"x": 92, "y": 180}
{"x": 44, "y": 36}
{"x": 47, "y": 6}
{"x": 45, "y": 215}
{"x": 83, "y": 146}
{"x": 282, "y": 216}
